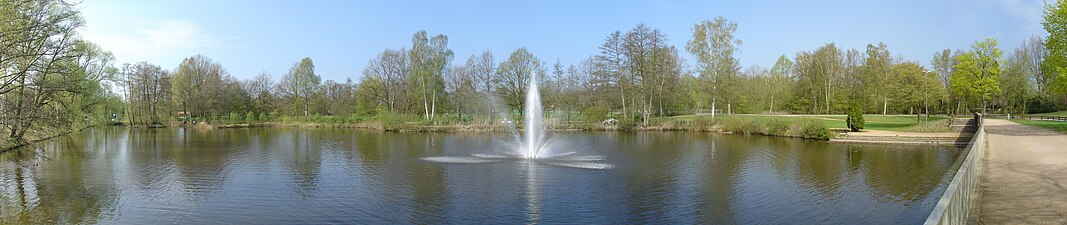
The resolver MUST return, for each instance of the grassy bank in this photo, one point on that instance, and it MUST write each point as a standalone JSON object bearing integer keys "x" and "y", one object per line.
{"x": 903, "y": 123}
{"x": 803, "y": 126}
{"x": 1057, "y": 126}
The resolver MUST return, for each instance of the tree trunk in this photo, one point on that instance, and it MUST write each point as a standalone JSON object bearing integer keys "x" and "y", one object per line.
{"x": 622, "y": 96}
{"x": 425, "y": 104}
{"x": 885, "y": 105}
{"x": 713, "y": 107}
{"x": 772, "y": 104}
{"x": 433, "y": 104}
{"x": 648, "y": 109}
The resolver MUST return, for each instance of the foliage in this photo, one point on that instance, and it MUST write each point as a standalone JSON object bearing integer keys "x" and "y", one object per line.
{"x": 854, "y": 118}
{"x": 51, "y": 80}
{"x": 977, "y": 72}
{"x": 1041, "y": 104}
{"x": 714, "y": 46}
{"x": 815, "y": 130}
{"x": 1055, "y": 63}
{"x": 515, "y": 73}
{"x": 429, "y": 58}
{"x": 301, "y": 84}
{"x": 202, "y": 88}
{"x": 595, "y": 114}
{"x": 636, "y": 76}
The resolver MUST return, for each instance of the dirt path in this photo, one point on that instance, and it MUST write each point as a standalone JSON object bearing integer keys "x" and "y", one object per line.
{"x": 1025, "y": 177}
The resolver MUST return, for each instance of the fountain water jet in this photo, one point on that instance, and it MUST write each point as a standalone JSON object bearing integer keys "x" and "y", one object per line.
{"x": 534, "y": 118}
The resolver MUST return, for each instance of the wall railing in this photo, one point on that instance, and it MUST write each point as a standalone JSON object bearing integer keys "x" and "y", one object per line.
{"x": 961, "y": 197}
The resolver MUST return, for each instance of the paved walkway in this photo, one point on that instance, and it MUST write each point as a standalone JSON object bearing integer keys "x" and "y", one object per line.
{"x": 883, "y": 133}
{"x": 1025, "y": 177}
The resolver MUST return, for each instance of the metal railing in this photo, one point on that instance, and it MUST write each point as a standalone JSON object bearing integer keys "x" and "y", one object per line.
{"x": 961, "y": 197}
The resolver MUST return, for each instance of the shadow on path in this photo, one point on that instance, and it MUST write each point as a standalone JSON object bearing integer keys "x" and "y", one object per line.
{"x": 1025, "y": 177}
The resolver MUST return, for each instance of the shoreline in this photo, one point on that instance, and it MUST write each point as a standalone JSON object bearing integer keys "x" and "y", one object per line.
{"x": 787, "y": 130}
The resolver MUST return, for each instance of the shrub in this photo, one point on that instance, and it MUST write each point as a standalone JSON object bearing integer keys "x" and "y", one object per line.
{"x": 815, "y": 130}
{"x": 233, "y": 117}
{"x": 595, "y": 114}
{"x": 700, "y": 124}
{"x": 626, "y": 123}
{"x": 1041, "y": 104}
{"x": 776, "y": 127}
{"x": 854, "y": 120}
{"x": 738, "y": 126}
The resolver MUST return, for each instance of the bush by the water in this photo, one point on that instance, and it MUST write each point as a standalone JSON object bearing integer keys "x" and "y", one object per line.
{"x": 777, "y": 127}
{"x": 595, "y": 114}
{"x": 810, "y": 129}
{"x": 815, "y": 130}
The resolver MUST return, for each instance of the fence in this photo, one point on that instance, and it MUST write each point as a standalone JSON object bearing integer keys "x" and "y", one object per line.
{"x": 961, "y": 197}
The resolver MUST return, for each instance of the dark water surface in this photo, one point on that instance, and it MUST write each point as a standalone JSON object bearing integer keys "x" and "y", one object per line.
{"x": 311, "y": 176}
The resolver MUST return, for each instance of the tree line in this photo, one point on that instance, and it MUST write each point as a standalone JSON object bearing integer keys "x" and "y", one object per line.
{"x": 54, "y": 79}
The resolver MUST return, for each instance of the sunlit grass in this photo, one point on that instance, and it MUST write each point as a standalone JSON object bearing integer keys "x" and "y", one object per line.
{"x": 1058, "y": 126}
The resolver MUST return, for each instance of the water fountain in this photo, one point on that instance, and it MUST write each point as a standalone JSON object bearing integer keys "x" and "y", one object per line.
{"x": 534, "y": 118}
{"x": 532, "y": 144}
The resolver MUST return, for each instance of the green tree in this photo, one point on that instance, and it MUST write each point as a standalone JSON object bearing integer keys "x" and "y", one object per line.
{"x": 430, "y": 58}
{"x": 714, "y": 47}
{"x": 50, "y": 79}
{"x": 819, "y": 73}
{"x": 1015, "y": 87}
{"x": 912, "y": 85}
{"x": 515, "y": 73}
{"x": 147, "y": 86}
{"x": 483, "y": 69}
{"x": 301, "y": 84}
{"x": 198, "y": 87}
{"x": 781, "y": 75}
{"x": 653, "y": 68}
{"x": 977, "y": 73}
{"x": 877, "y": 74}
{"x": 389, "y": 72}
{"x": 1055, "y": 64}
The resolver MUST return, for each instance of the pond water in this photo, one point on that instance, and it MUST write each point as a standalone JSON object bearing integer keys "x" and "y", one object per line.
{"x": 312, "y": 176}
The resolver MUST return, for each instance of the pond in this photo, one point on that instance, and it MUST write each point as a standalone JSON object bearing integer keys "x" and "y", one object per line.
{"x": 324, "y": 175}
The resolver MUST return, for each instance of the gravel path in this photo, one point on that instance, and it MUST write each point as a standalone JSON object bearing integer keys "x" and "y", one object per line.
{"x": 1025, "y": 177}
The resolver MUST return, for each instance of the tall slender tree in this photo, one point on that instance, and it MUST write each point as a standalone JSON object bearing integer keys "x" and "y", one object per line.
{"x": 714, "y": 47}
{"x": 301, "y": 84}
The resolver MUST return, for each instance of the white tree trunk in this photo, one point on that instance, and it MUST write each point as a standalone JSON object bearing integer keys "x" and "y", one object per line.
{"x": 772, "y": 104}
{"x": 433, "y": 104}
{"x": 713, "y": 107}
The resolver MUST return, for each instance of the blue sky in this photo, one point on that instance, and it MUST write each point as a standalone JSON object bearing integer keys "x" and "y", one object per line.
{"x": 248, "y": 37}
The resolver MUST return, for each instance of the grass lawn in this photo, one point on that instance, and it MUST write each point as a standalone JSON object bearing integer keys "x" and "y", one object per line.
{"x": 872, "y": 121}
{"x": 1060, "y": 113}
{"x": 1053, "y": 125}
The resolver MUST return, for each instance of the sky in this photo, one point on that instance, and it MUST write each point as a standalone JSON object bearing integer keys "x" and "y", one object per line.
{"x": 254, "y": 36}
